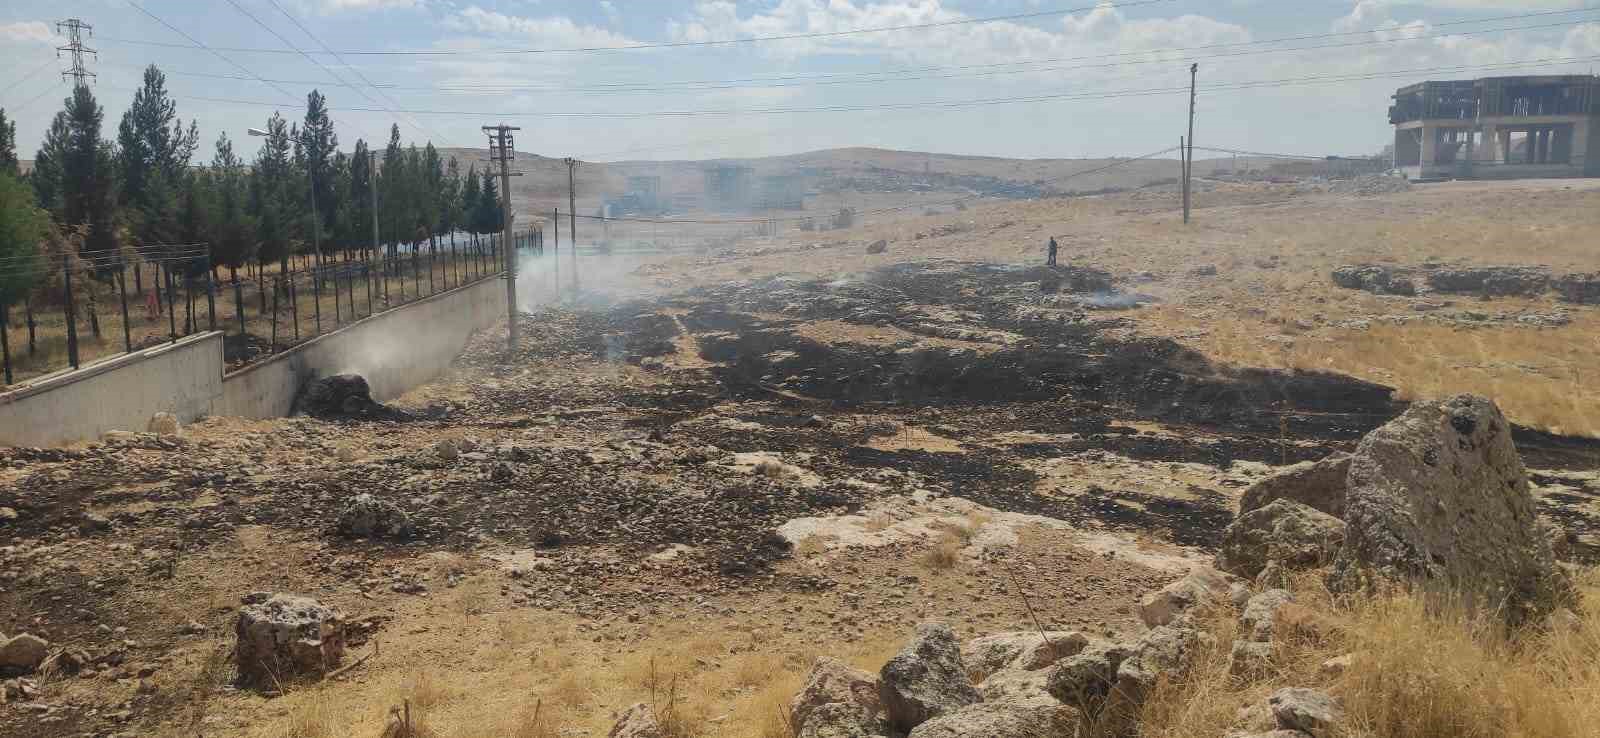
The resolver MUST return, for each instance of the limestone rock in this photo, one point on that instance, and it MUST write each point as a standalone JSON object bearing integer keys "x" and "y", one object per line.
{"x": 877, "y": 247}
{"x": 1035, "y": 719}
{"x": 1025, "y": 650}
{"x": 926, "y": 679}
{"x": 1249, "y": 658}
{"x": 1319, "y": 485}
{"x": 833, "y": 682}
{"x": 1084, "y": 680}
{"x": 1261, "y": 613}
{"x": 285, "y": 636}
{"x": 23, "y": 652}
{"x": 839, "y": 720}
{"x": 164, "y": 424}
{"x": 1440, "y": 494}
{"x": 1166, "y": 604}
{"x": 1288, "y": 532}
{"x": 1161, "y": 651}
{"x": 1306, "y": 710}
{"x": 638, "y": 721}
{"x": 369, "y": 517}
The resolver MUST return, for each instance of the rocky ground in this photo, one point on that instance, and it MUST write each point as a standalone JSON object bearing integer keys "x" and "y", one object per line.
{"x": 811, "y": 459}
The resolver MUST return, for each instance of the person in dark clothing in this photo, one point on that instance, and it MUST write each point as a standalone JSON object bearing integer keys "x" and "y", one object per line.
{"x": 1051, "y": 260}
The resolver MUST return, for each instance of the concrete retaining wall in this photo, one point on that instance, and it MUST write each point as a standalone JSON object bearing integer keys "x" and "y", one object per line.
{"x": 118, "y": 393}
{"x": 395, "y": 350}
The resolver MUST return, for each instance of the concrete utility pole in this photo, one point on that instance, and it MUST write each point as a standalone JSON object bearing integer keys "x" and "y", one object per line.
{"x": 74, "y": 30}
{"x": 1188, "y": 153}
{"x": 572, "y": 217}
{"x": 503, "y": 149}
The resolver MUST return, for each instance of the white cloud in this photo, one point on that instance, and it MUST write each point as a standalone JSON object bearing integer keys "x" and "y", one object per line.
{"x": 27, "y": 32}
{"x": 610, "y": 8}
{"x": 1528, "y": 5}
{"x": 547, "y": 32}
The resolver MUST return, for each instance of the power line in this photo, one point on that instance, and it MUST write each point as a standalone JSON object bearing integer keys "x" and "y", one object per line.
{"x": 48, "y": 63}
{"x": 722, "y": 42}
{"x": 286, "y": 42}
{"x": 975, "y": 102}
{"x": 977, "y": 70}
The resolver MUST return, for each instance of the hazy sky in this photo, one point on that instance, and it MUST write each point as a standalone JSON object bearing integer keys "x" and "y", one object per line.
{"x": 1105, "y": 80}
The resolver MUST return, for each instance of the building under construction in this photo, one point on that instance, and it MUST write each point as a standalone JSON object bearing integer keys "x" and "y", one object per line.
{"x": 1498, "y": 127}
{"x": 727, "y": 187}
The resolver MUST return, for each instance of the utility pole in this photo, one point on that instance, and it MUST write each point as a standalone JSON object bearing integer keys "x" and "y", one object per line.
{"x": 372, "y": 186}
{"x": 74, "y": 30}
{"x": 572, "y": 217}
{"x": 503, "y": 150}
{"x": 1188, "y": 153}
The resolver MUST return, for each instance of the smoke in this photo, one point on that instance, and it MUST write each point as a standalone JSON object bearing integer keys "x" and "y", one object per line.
{"x": 1114, "y": 300}
{"x": 593, "y": 277}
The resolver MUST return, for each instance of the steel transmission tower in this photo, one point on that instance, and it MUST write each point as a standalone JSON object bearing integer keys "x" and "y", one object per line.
{"x": 75, "y": 30}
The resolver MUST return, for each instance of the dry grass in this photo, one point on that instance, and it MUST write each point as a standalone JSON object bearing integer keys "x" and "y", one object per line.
{"x": 1419, "y": 671}
{"x": 945, "y": 553}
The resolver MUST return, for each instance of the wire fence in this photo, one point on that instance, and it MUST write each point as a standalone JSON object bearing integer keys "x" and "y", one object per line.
{"x": 79, "y": 308}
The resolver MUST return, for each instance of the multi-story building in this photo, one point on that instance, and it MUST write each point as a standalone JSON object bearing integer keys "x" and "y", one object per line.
{"x": 1498, "y": 127}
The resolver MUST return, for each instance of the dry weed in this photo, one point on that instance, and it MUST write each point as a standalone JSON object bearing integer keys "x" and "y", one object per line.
{"x": 945, "y": 553}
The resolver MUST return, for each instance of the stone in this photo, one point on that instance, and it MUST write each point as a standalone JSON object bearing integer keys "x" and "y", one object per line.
{"x": 1319, "y": 485}
{"x": 1288, "y": 532}
{"x": 8, "y": 515}
{"x": 833, "y": 681}
{"x": 23, "y": 653}
{"x": 1160, "y": 651}
{"x": 877, "y": 247}
{"x": 1491, "y": 281}
{"x": 1306, "y": 710}
{"x": 1025, "y": 650}
{"x": 164, "y": 424}
{"x": 1440, "y": 495}
{"x": 448, "y": 450}
{"x": 93, "y": 523}
{"x": 1582, "y": 289}
{"x": 1261, "y": 613}
{"x": 638, "y": 721}
{"x": 369, "y": 517}
{"x": 926, "y": 679}
{"x": 839, "y": 720}
{"x": 1336, "y": 667}
{"x": 287, "y": 636}
{"x": 1166, "y": 604}
{"x": 1379, "y": 280}
{"x": 1034, "y": 719}
{"x": 1084, "y": 680}
{"x": 1249, "y": 658}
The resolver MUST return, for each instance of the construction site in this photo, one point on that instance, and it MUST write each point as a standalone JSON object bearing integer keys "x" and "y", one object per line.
{"x": 855, "y": 442}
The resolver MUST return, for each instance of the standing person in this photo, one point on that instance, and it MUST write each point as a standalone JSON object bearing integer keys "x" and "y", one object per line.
{"x": 1051, "y": 260}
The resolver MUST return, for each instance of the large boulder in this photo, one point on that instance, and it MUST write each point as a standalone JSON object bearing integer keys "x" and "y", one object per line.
{"x": 1085, "y": 680}
{"x": 1439, "y": 495}
{"x": 1583, "y": 289}
{"x": 926, "y": 679}
{"x": 22, "y": 653}
{"x": 1319, "y": 485}
{"x": 369, "y": 517}
{"x": 1108, "y": 682}
{"x": 851, "y": 695}
{"x": 1305, "y": 710}
{"x": 1283, "y": 532}
{"x": 1024, "y": 650}
{"x": 284, "y": 636}
{"x": 1260, "y": 617}
{"x": 1170, "y": 602}
{"x": 1379, "y": 280}
{"x": 1491, "y": 281}
{"x": 1032, "y": 719}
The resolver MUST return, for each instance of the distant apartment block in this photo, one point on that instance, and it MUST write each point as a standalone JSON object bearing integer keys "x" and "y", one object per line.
{"x": 1498, "y": 128}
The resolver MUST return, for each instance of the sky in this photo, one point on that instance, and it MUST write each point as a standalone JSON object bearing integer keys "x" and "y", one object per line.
{"x": 1014, "y": 78}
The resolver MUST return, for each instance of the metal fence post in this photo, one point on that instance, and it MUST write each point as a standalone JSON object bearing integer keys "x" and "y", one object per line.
{"x": 337, "y": 317}
{"x": 238, "y": 303}
{"x": 5, "y": 340}
{"x": 294, "y": 308}
{"x": 27, "y": 314}
{"x": 277, "y": 286}
{"x": 432, "y": 290}
{"x": 122, "y": 292}
{"x": 416, "y": 273}
{"x": 72, "y": 313}
{"x": 211, "y": 291}
{"x": 316, "y": 300}
{"x": 172, "y": 315}
{"x": 366, "y": 269}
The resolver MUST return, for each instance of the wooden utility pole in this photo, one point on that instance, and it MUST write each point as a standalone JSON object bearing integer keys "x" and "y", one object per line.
{"x": 1188, "y": 153}
{"x": 572, "y": 217}
{"x": 503, "y": 149}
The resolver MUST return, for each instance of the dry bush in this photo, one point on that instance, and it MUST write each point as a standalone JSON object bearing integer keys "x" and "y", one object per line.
{"x": 945, "y": 553}
{"x": 1420, "y": 669}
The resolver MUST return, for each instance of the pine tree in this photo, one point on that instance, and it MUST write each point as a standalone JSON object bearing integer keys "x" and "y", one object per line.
{"x": 393, "y": 191}
{"x": 49, "y": 167}
{"x": 22, "y": 227}
{"x": 153, "y": 153}
{"x": 88, "y": 191}
{"x": 316, "y": 144}
{"x": 232, "y": 234}
{"x": 360, "y": 196}
{"x": 488, "y": 219}
{"x": 8, "y": 146}
{"x": 269, "y": 194}
{"x": 450, "y": 199}
{"x": 471, "y": 195}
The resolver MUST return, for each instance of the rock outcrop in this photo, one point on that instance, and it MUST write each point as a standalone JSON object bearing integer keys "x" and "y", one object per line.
{"x": 1306, "y": 710}
{"x": 284, "y": 636}
{"x": 1379, "y": 280}
{"x": 1001, "y": 720}
{"x": 1284, "y": 533}
{"x": 926, "y": 679}
{"x": 22, "y": 653}
{"x": 1319, "y": 485}
{"x": 1491, "y": 281}
{"x": 1583, "y": 289}
{"x": 1168, "y": 603}
{"x": 850, "y": 696}
{"x": 1440, "y": 495}
{"x": 638, "y": 721}
{"x": 1025, "y": 651}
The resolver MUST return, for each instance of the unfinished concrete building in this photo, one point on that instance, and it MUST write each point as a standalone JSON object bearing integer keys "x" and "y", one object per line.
{"x": 727, "y": 186}
{"x": 1498, "y": 128}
